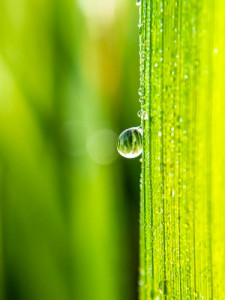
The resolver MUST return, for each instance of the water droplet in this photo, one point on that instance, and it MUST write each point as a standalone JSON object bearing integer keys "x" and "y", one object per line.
{"x": 164, "y": 287}
{"x": 141, "y": 91}
{"x": 186, "y": 225}
{"x": 140, "y": 28}
{"x": 141, "y": 283}
{"x": 143, "y": 114}
{"x": 129, "y": 143}
{"x": 154, "y": 295}
{"x": 138, "y": 2}
{"x": 196, "y": 295}
{"x": 141, "y": 99}
{"x": 196, "y": 62}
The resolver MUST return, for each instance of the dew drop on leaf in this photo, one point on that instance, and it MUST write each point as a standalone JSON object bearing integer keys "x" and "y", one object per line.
{"x": 196, "y": 295}
{"x": 140, "y": 28}
{"x": 140, "y": 91}
{"x": 142, "y": 114}
{"x": 129, "y": 143}
{"x": 141, "y": 99}
{"x": 138, "y": 2}
{"x": 154, "y": 295}
{"x": 164, "y": 287}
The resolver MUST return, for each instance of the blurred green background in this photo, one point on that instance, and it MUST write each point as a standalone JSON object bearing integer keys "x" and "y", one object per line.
{"x": 68, "y": 203}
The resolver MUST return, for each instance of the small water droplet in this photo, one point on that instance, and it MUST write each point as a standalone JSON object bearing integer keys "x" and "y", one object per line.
{"x": 138, "y": 2}
{"x": 186, "y": 225}
{"x": 154, "y": 295}
{"x": 129, "y": 143}
{"x": 140, "y": 28}
{"x": 143, "y": 114}
{"x": 140, "y": 91}
{"x": 141, "y": 283}
{"x": 141, "y": 99}
{"x": 164, "y": 287}
{"x": 196, "y": 62}
{"x": 196, "y": 295}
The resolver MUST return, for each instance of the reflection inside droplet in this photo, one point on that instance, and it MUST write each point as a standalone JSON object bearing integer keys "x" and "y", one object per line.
{"x": 129, "y": 143}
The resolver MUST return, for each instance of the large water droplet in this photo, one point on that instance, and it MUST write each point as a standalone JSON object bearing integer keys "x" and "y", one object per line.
{"x": 129, "y": 142}
{"x": 164, "y": 287}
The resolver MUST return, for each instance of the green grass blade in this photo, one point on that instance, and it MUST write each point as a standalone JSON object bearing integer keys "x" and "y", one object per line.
{"x": 181, "y": 75}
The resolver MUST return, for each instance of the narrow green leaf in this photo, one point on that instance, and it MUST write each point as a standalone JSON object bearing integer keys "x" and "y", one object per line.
{"x": 182, "y": 192}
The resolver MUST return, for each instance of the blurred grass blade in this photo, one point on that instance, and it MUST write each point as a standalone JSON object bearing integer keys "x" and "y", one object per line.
{"x": 62, "y": 210}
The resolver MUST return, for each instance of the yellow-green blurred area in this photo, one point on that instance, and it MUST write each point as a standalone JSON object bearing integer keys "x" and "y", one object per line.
{"x": 68, "y": 202}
